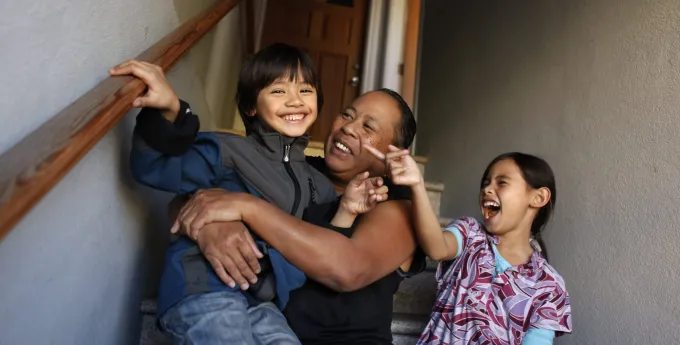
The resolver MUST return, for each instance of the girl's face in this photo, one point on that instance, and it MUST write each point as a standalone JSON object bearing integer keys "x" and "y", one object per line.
{"x": 507, "y": 202}
{"x": 287, "y": 107}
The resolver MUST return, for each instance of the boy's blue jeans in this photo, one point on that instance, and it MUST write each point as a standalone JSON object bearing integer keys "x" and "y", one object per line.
{"x": 225, "y": 317}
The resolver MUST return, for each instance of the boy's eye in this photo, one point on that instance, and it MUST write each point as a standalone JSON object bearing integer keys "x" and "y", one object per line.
{"x": 368, "y": 127}
{"x": 346, "y": 115}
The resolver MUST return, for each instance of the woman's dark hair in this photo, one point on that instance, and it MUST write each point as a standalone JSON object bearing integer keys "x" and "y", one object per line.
{"x": 266, "y": 66}
{"x": 407, "y": 126}
{"x": 537, "y": 174}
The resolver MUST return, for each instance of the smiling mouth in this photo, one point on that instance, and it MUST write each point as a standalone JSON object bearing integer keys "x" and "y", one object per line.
{"x": 490, "y": 209}
{"x": 294, "y": 117}
{"x": 342, "y": 147}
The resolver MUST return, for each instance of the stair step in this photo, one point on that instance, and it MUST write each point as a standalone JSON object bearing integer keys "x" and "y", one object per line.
{"x": 408, "y": 324}
{"x": 399, "y": 339}
{"x": 434, "y": 192}
{"x": 416, "y": 295}
{"x": 151, "y": 334}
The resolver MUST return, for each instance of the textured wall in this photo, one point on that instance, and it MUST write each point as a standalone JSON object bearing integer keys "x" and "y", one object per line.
{"x": 592, "y": 86}
{"x": 73, "y": 271}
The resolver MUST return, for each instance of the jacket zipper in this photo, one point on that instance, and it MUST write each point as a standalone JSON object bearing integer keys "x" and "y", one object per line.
{"x": 289, "y": 170}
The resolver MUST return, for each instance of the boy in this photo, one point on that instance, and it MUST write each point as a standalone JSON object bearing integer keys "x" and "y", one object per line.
{"x": 278, "y": 97}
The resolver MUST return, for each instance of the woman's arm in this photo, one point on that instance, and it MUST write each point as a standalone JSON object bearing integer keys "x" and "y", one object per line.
{"x": 382, "y": 241}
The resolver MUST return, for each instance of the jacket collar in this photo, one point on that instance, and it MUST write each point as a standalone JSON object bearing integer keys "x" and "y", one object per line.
{"x": 275, "y": 145}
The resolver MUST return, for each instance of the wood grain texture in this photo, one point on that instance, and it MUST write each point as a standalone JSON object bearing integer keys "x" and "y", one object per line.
{"x": 37, "y": 163}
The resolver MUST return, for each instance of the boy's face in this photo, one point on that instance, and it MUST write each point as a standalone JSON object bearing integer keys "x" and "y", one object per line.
{"x": 287, "y": 107}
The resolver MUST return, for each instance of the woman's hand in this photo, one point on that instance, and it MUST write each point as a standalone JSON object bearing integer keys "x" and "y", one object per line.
{"x": 231, "y": 251}
{"x": 208, "y": 206}
{"x": 159, "y": 93}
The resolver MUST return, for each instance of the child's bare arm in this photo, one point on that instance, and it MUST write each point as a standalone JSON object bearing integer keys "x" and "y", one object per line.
{"x": 403, "y": 170}
{"x": 360, "y": 196}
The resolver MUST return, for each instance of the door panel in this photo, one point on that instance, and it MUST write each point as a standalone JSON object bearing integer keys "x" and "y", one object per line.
{"x": 332, "y": 33}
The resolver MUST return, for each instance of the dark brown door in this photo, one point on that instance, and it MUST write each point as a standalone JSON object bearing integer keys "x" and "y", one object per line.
{"x": 332, "y": 33}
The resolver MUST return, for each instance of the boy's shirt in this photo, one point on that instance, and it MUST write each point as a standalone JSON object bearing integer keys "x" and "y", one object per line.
{"x": 173, "y": 157}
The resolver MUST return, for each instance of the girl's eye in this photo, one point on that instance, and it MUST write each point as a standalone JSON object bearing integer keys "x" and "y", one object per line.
{"x": 307, "y": 91}
{"x": 277, "y": 91}
{"x": 502, "y": 183}
{"x": 485, "y": 183}
{"x": 369, "y": 128}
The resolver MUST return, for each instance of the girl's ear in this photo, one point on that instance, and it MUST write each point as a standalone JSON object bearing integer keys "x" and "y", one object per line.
{"x": 541, "y": 197}
{"x": 251, "y": 113}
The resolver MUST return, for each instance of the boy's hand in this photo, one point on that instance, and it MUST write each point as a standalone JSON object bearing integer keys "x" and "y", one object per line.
{"x": 400, "y": 166}
{"x": 159, "y": 94}
{"x": 362, "y": 194}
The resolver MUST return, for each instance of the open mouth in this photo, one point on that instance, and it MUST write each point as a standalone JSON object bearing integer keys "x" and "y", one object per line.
{"x": 294, "y": 117}
{"x": 343, "y": 148}
{"x": 490, "y": 209}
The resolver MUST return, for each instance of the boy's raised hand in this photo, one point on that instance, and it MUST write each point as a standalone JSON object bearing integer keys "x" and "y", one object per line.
{"x": 363, "y": 193}
{"x": 399, "y": 165}
{"x": 159, "y": 94}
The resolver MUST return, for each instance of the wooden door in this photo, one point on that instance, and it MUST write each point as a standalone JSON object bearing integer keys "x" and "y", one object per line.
{"x": 332, "y": 33}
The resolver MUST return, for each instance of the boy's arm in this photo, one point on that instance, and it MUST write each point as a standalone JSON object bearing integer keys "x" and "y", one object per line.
{"x": 360, "y": 196}
{"x": 167, "y": 154}
{"x": 172, "y": 156}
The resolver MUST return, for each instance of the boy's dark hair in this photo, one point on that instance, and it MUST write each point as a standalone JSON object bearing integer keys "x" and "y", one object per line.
{"x": 407, "y": 126}
{"x": 537, "y": 174}
{"x": 266, "y": 66}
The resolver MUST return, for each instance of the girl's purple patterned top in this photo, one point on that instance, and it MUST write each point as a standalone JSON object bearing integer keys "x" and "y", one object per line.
{"x": 472, "y": 308}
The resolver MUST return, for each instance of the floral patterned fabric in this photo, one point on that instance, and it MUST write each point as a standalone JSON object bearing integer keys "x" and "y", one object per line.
{"x": 473, "y": 307}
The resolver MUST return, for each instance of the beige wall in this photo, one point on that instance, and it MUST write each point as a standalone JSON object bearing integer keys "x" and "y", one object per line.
{"x": 593, "y": 86}
{"x": 74, "y": 269}
{"x": 217, "y": 59}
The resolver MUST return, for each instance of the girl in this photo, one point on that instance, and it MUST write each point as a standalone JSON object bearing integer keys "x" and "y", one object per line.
{"x": 495, "y": 287}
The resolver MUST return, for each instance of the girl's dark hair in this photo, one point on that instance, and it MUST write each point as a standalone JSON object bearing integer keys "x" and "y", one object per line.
{"x": 407, "y": 126}
{"x": 273, "y": 62}
{"x": 537, "y": 174}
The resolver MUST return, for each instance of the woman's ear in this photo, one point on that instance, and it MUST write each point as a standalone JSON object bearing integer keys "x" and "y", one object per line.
{"x": 541, "y": 197}
{"x": 251, "y": 113}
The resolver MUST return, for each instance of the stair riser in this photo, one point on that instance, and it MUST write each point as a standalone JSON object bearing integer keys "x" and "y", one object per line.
{"x": 416, "y": 295}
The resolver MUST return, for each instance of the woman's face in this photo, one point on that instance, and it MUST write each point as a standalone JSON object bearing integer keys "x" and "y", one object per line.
{"x": 371, "y": 119}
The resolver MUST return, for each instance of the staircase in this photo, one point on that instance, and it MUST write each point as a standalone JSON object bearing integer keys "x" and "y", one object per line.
{"x": 412, "y": 302}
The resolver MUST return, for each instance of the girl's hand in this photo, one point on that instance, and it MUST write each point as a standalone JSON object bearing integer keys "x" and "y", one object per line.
{"x": 362, "y": 194}
{"x": 159, "y": 94}
{"x": 399, "y": 165}
{"x": 209, "y": 206}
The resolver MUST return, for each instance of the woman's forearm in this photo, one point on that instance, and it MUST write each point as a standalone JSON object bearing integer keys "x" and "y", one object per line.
{"x": 381, "y": 243}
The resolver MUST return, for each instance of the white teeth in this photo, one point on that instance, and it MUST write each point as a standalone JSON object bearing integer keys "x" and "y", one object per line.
{"x": 293, "y": 117}
{"x": 342, "y": 147}
{"x": 491, "y": 204}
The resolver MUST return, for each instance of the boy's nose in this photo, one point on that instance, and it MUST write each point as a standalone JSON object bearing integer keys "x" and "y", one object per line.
{"x": 295, "y": 101}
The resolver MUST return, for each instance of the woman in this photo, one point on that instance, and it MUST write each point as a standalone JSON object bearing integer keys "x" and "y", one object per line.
{"x": 352, "y": 272}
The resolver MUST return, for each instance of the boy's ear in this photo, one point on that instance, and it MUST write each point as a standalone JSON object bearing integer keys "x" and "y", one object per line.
{"x": 541, "y": 197}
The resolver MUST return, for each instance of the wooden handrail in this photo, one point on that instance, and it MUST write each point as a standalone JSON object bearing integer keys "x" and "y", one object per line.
{"x": 33, "y": 166}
